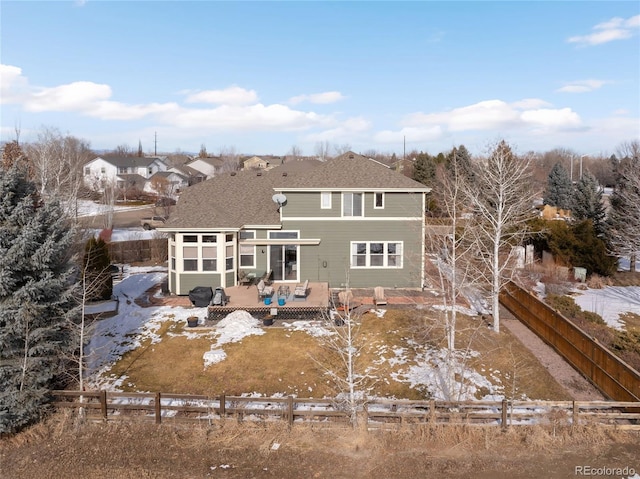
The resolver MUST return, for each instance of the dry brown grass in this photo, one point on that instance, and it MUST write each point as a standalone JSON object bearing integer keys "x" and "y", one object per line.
{"x": 59, "y": 448}
{"x": 286, "y": 362}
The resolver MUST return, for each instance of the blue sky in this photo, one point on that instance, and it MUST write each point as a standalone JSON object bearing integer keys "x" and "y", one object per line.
{"x": 261, "y": 77}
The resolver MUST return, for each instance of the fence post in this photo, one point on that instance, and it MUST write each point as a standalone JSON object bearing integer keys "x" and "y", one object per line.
{"x": 504, "y": 414}
{"x": 290, "y": 410}
{"x": 223, "y": 411}
{"x": 432, "y": 411}
{"x": 103, "y": 404}
{"x": 158, "y": 409}
{"x": 575, "y": 413}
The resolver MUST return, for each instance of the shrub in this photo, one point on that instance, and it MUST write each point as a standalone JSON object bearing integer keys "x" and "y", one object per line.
{"x": 96, "y": 265}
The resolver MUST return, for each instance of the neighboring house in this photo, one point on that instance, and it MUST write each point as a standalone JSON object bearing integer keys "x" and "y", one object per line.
{"x": 348, "y": 221}
{"x": 256, "y": 163}
{"x": 131, "y": 181}
{"x": 404, "y": 166}
{"x": 166, "y": 183}
{"x": 208, "y": 166}
{"x": 193, "y": 176}
{"x": 102, "y": 171}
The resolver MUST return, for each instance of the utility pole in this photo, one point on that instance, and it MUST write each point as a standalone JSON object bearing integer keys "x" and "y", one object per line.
{"x": 404, "y": 147}
{"x": 155, "y": 143}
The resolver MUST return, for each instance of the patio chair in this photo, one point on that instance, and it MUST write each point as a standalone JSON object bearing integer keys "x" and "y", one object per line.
{"x": 346, "y": 302}
{"x": 379, "y": 299}
{"x": 301, "y": 290}
{"x": 264, "y": 291}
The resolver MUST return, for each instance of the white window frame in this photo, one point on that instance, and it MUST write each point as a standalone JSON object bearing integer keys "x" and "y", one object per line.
{"x": 241, "y": 254}
{"x": 325, "y": 200}
{"x": 375, "y": 203}
{"x": 362, "y": 196}
{"x": 185, "y": 258}
{"x": 250, "y": 234}
{"x": 385, "y": 255}
{"x": 232, "y": 257}
{"x": 214, "y": 257}
{"x": 277, "y": 232}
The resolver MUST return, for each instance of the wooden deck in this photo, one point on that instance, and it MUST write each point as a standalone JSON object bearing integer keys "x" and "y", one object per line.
{"x": 246, "y": 298}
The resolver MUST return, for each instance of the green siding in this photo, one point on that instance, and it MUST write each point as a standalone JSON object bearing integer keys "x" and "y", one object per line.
{"x": 334, "y": 250}
{"x": 302, "y": 204}
{"x": 261, "y": 260}
{"x": 396, "y": 204}
{"x": 190, "y": 281}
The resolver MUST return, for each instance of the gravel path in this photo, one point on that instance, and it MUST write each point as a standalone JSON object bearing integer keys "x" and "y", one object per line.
{"x": 573, "y": 382}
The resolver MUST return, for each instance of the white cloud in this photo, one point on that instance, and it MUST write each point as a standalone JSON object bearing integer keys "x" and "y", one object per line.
{"x": 492, "y": 115}
{"x": 581, "y": 86}
{"x": 234, "y": 95}
{"x": 253, "y": 117}
{"x": 76, "y": 96}
{"x": 318, "y": 98}
{"x": 346, "y": 131}
{"x": 615, "y": 29}
{"x": 237, "y": 108}
{"x": 555, "y": 119}
{"x": 14, "y": 87}
{"x": 411, "y": 134}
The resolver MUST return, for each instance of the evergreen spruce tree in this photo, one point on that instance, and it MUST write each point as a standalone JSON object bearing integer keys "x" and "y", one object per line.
{"x": 588, "y": 205}
{"x": 424, "y": 169}
{"x": 559, "y": 192}
{"x": 459, "y": 161}
{"x": 36, "y": 299}
{"x": 96, "y": 264}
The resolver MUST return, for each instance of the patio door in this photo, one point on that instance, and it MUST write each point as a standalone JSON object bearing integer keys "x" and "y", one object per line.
{"x": 283, "y": 261}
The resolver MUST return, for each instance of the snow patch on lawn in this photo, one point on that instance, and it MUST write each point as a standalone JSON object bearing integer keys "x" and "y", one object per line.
{"x": 610, "y": 302}
{"x": 232, "y": 328}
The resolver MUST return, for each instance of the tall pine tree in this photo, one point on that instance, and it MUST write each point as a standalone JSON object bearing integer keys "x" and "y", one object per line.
{"x": 559, "y": 192}
{"x": 36, "y": 299}
{"x": 588, "y": 205}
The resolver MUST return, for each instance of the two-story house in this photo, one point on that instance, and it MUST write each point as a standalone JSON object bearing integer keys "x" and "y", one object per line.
{"x": 348, "y": 221}
{"x": 105, "y": 170}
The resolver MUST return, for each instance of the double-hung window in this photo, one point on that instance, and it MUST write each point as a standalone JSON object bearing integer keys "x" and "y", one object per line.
{"x": 228, "y": 252}
{"x": 376, "y": 254}
{"x": 352, "y": 204}
{"x": 209, "y": 253}
{"x": 247, "y": 256}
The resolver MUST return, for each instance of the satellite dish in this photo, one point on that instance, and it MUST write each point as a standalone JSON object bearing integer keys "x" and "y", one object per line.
{"x": 280, "y": 199}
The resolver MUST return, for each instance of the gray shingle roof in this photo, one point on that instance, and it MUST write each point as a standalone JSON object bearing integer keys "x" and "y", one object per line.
{"x": 355, "y": 171}
{"x": 232, "y": 200}
{"x": 126, "y": 162}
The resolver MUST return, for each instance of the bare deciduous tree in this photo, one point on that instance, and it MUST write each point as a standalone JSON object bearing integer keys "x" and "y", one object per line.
{"x": 230, "y": 159}
{"x": 294, "y": 153}
{"x": 123, "y": 151}
{"x": 502, "y": 202}
{"x": 57, "y": 164}
{"x": 341, "y": 149}
{"x": 323, "y": 150}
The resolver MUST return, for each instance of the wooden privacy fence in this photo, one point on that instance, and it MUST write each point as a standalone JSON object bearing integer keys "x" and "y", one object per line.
{"x": 162, "y": 407}
{"x": 615, "y": 378}
{"x": 138, "y": 250}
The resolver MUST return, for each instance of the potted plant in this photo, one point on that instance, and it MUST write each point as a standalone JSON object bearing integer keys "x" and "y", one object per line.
{"x": 192, "y": 321}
